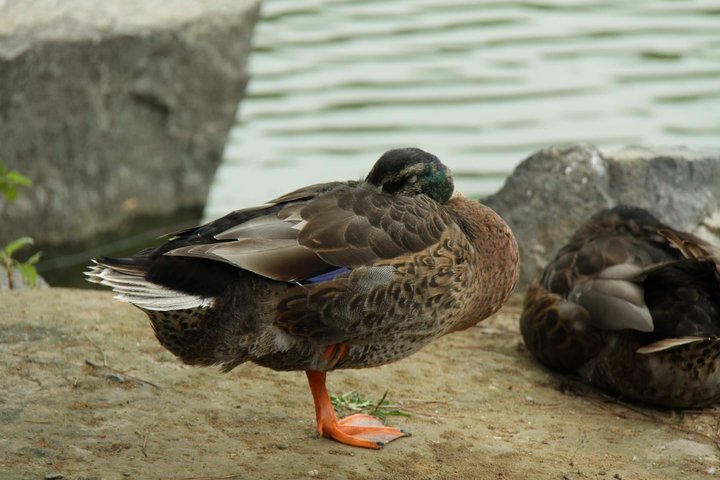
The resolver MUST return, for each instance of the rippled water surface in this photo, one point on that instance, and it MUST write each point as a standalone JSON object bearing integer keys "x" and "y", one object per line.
{"x": 481, "y": 84}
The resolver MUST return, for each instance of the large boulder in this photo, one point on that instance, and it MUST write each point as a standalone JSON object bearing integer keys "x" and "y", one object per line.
{"x": 554, "y": 191}
{"x": 115, "y": 108}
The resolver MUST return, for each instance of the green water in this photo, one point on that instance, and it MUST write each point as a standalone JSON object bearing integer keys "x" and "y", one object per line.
{"x": 482, "y": 84}
{"x": 63, "y": 266}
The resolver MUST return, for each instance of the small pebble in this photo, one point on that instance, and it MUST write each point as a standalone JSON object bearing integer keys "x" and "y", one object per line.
{"x": 711, "y": 470}
{"x": 567, "y": 477}
{"x": 53, "y": 476}
{"x": 313, "y": 473}
{"x": 617, "y": 476}
{"x": 282, "y": 446}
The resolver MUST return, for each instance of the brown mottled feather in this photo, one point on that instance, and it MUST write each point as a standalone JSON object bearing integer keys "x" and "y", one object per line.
{"x": 403, "y": 267}
{"x": 558, "y": 332}
{"x": 587, "y": 313}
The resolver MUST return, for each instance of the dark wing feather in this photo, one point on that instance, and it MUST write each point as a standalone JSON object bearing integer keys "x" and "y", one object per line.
{"x": 194, "y": 274}
{"x": 684, "y": 296}
{"x": 310, "y": 192}
{"x": 359, "y": 226}
{"x": 342, "y": 225}
{"x": 604, "y": 275}
{"x": 657, "y": 280}
{"x": 684, "y": 299}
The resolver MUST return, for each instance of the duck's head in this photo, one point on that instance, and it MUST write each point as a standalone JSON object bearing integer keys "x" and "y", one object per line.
{"x": 411, "y": 171}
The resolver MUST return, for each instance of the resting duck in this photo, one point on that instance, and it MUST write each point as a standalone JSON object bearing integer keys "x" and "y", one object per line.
{"x": 337, "y": 275}
{"x": 633, "y": 306}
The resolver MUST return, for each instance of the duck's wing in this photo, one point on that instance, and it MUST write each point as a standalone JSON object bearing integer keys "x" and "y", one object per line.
{"x": 166, "y": 273}
{"x": 684, "y": 296}
{"x": 604, "y": 276}
{"x": 305, "y": 234}
{"x": 659, "y": 280}
{"x": 206, "y": 233}
{"x": 357, "y": 227}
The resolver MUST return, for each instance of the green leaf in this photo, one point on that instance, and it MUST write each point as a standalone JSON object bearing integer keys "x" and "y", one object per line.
{"x": 9, "y": 192}
{"x": 34, "y": 259}
{"x": 28, "y": 273}
{"x": 16, "y": 178}
{"x": 10, "y": 180}
{"x": 16, "y": 245}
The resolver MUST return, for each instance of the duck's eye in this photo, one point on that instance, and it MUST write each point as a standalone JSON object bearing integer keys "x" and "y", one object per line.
{"x": 412, "y": 179}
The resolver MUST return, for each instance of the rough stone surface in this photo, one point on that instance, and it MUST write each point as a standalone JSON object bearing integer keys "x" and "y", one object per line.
{"x": 555, "y": 190}
{"x": 115, "y": 108}
{"x": 87, "y": 392}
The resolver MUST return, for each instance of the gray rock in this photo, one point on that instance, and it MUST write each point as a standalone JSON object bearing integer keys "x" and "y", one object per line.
{"x": 554, "y": 191}
{"x": 115, "y": 108}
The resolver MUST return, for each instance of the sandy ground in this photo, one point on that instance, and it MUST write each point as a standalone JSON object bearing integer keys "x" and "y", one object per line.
{"x": 87, "y": 393}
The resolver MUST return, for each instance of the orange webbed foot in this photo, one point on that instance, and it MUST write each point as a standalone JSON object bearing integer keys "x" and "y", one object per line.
{"x": 358, "y": 430}
{"x": 369, "y": 428}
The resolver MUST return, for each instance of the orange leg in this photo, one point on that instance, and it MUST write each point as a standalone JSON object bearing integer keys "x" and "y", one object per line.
{"x": 358, "y": 430}
{"x": 334, "y": 353}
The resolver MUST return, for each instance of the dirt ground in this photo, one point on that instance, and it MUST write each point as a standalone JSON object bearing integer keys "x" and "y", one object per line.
{"x": 86, "y": 392}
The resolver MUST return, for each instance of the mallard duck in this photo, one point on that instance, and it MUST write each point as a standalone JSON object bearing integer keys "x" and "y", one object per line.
{"x": 337, "y": 275}
{"x": 633, "y": 306}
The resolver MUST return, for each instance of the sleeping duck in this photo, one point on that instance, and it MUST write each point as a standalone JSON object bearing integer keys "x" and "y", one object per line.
{"x": 633, "y": 306}
{"x": 336, "y": 275}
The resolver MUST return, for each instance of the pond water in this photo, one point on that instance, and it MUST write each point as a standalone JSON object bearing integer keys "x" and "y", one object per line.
{"x": 482, "y": 84}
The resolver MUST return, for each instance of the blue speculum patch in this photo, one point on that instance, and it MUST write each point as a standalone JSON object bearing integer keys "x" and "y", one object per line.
{"x": 327, "y": 276}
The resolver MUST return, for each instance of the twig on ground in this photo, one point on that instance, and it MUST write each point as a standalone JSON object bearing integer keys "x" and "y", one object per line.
{"x": 232, "y": 476}
{"x": 97, "y": 347}
{"x": 617, "y": 401}
{"x": 577, "y": 449}
{"x": 144, "y": 444}
{"x": 116, "y": 372}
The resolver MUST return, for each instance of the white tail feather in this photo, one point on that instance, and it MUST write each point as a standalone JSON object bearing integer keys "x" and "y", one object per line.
{"x": 142, "y": 293}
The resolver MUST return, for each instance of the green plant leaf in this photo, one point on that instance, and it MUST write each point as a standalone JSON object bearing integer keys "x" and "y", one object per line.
{"x": 34, "y": 259}
{"x": 10, "y": 180}
{"x": 9, "y": 192}
{"x": 17, "y": 244}
{"x": 28, "y": 273}
{"x": 16, "y": 178}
